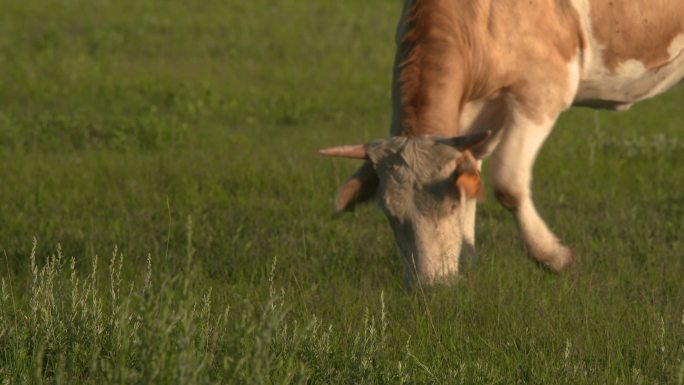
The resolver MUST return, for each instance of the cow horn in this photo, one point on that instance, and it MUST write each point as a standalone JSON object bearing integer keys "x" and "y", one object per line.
{"x": 467, "y": 141}
{"x": 356, "y": 151}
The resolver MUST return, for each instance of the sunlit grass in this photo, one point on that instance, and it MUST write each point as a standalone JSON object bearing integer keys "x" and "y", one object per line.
{"x": 170, "y": 150}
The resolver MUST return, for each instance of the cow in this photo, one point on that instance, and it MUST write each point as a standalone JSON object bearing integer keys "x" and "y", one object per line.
{"x": 480, "y": 78}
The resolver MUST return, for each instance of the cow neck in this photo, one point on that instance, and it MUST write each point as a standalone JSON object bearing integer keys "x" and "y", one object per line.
{"x": 440, "y": 44}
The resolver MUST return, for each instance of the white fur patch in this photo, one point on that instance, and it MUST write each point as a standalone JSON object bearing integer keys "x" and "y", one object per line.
{"x": 677, "y": 46}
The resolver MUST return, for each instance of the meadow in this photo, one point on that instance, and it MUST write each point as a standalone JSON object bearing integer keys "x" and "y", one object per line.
{"x": 165, "y": 217}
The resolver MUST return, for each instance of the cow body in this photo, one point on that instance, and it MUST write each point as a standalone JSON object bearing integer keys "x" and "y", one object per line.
{"x": 634, "y": 50}
{"x": 594, "y": 53}
{"x": 512, "y": 67}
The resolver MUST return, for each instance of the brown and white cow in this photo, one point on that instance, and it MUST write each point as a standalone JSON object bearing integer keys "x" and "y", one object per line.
{"x": 464, "y": 68}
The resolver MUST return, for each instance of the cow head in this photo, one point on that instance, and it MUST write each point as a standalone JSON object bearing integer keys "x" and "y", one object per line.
{"x": 422, "y": 185}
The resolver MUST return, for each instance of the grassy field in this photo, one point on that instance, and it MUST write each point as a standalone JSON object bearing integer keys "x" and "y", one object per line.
{"x": 164, "y": 216}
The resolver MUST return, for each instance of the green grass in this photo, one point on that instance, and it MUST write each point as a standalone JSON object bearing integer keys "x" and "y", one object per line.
{"x": 175, "y": 144}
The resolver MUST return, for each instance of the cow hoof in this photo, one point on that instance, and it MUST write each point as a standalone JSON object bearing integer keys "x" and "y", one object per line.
{"x": 563, "y": 259}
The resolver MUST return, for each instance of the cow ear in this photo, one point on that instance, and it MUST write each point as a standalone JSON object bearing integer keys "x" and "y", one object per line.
{"x": 359, "y": 188}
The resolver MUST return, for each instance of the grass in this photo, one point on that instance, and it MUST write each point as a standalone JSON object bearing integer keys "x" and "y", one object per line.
{"x": 163, "y": 154}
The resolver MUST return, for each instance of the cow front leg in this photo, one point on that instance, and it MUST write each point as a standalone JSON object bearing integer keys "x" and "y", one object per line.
{"x": 479, "y": 116}
{"x": 468, "y": 252}
{"x": 512, "y": 164}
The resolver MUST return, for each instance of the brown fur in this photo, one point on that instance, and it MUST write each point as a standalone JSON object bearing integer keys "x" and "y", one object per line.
{"x": 432, "y": 72}
{"x": 637, "y": 29}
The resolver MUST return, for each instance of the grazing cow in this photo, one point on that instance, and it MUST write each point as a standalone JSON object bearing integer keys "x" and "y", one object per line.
{"x": 465, "y": 68}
